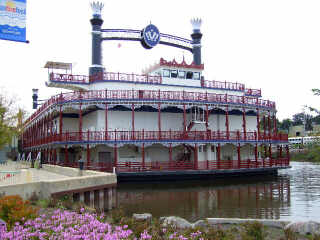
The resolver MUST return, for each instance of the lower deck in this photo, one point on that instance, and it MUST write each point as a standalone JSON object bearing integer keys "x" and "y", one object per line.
{"x": 170, "y": 160}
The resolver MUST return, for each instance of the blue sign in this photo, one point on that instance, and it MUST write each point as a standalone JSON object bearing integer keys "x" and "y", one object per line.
{"x": 13, "y": 20}
{"x": 151, "y": 36}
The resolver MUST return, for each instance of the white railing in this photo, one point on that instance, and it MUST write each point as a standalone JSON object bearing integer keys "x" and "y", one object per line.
{"x": 10, "y": 177}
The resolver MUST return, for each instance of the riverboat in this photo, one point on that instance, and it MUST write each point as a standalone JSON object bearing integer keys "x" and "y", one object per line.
{"x": 168, "y": 122}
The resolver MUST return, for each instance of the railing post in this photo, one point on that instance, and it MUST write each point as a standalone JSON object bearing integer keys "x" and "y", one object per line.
{"x": 218, "y": 155}
{"x": 238, "y": 135}
{"x": 143, "y": 134}
{"x": 196, "y": 157}
{"x": 239, "y": 156}
{"x": 256, "y": 154}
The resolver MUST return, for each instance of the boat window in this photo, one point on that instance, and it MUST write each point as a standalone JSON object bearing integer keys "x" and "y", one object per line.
{"x": 189, "y": 75}
{"x": 174, "y": 73}
{"x": 182, "y": 74}
{"x": 166, "y": 73}
{"x": 196, "y": 75}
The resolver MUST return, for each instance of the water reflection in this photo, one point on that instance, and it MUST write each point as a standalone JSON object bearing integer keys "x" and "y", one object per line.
{"x": 305, "y": 191}
{"x": 238, "y": 198}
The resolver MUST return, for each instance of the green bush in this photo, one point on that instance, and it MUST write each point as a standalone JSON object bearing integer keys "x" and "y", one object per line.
{"x": 253, "y": 231}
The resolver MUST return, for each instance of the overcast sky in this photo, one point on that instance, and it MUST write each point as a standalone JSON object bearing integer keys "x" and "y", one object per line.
{"x": 273, "y": 45}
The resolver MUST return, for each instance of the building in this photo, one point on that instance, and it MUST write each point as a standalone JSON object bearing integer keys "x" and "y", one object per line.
{"x": 168, "y": 119}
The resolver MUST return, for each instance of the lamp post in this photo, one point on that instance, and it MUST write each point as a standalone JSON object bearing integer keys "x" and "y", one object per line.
{"x": 35, "y": 98}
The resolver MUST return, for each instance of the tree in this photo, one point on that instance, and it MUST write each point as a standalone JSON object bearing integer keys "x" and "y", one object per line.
{"x": 285, "y": 124}
{"x": 301, "y": 119}
{"x": 11, "y": 118}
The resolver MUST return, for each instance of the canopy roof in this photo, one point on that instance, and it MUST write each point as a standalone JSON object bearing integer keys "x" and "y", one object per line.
{"x": 58, "y": 65}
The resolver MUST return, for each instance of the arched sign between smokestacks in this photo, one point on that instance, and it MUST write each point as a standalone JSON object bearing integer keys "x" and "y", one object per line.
{"x": 149, "y": 38}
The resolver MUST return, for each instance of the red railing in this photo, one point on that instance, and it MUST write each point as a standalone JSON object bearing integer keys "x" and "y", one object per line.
{"x": 253, "y": 92}
{"x": 59, "y": 77}
{"x": 222, "y": 85}
{"x": 134, "y": 166}
{"x": 96, "y": 136}
{"x": 107, "y": 76}
{"x": 151, "y": 95}
{"x": 110, "y": 76}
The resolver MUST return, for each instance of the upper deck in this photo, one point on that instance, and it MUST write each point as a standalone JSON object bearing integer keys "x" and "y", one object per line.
{"x": 166, "y": 75}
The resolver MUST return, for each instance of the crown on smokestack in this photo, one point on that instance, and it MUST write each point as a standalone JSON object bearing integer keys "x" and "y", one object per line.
{"x": 196, "y": 23}
{"x": 96, "y": 8}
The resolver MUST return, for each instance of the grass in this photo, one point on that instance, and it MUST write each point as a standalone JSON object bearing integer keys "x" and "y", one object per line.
{"x": 310, "y": 153}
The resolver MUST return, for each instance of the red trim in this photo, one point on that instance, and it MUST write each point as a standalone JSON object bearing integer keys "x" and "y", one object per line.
{"x": 80, "y": 120}
{"x": 222, "y": 85}
{"x": 100, "y": 136}
{"x": 218, "y": 156}
{"x": 115, "y": 152}
{"x": 170, "y": 153}
{"x": 184, "y": 118}
{"x": 227, "y": 122}
{"x": 256, "y": 154}
{"x": 252, "y": 92}
{"x": 258, "y": 123}
{"x": 159, "y": 117}
{"x": 244, "y": 123}
{"x": 269, "y": 123}
{"x": 60, "y": 121}
{"x": 141, "y": 95}
{"x": 183, "y": 64}
{"x": 270, "y": 154}
{"x": 88, "y": 156}
{"x": 207, "y": 117}
{"x": 143, "y": 156}
{"x": 106, "y": 120}
{"x": 264, "y": 126}
{"x": 196, "y": 156}
{"x": 132, "y": 118}
{"x": 265, "y": 154}
{"x": 135, "y": 166}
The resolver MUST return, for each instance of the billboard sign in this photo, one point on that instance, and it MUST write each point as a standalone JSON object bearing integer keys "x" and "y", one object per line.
{"x": 13, "y": 20}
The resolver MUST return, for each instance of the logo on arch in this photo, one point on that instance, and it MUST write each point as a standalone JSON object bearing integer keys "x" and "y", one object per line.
{"x": 150, "y": 36}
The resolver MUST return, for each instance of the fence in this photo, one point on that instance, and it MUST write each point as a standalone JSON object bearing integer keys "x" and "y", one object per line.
{"x": 10, "y": 177}
{"x": 135, "y": 166}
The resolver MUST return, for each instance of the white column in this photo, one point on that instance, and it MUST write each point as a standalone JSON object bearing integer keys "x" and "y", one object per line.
{"x": 81, "y": 197}
{"x": 109, "y": 198}
{"x": 101, "y": 199}
{"x": 91, "y": 196}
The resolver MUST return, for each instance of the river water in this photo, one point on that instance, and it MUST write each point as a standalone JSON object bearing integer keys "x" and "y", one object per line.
{"x": 292, "y": 195}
